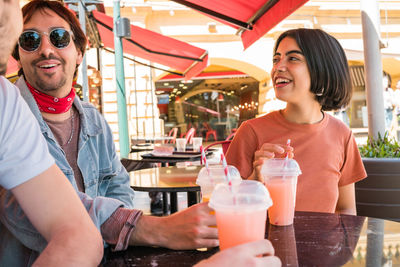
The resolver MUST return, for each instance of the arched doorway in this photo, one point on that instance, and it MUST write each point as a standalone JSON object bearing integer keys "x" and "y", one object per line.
{"x": 221, "y": 96}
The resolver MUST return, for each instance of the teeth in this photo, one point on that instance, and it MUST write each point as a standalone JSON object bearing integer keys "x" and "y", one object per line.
{"x": 281, "y": 80}
{"x": 48, "y": 66}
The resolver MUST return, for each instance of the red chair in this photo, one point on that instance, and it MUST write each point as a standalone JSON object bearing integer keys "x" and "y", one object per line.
{"x": 210, "y": 131}
{"x": 189, "y": 135}
{"x": 189, "y": 126}
{"x": 230, "y": 137}
{"x": 173, "y": 133}
{"x": 225, "y": 145}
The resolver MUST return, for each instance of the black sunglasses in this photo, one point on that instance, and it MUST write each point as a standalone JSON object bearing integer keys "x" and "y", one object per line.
{"x": 30, "y": 40}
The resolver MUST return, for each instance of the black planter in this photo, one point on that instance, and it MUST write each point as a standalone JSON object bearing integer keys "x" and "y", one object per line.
{"x": 378, "y": 195}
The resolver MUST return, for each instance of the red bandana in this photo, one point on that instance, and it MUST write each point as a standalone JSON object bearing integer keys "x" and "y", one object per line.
{"x": 51, "y": 104}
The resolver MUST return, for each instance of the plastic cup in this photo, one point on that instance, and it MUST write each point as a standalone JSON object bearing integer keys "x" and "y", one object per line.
{"x": 197, "y": 142}
{"x": 207, "y": 180}
{"x": 180, "y": 144}
{"x": 280, "y": 177}
{"x": 241, "y": 212}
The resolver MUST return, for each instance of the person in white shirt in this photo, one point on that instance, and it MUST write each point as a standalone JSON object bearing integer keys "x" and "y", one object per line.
{"x": 388, "y": 101}
{"x": 29, "y": 171}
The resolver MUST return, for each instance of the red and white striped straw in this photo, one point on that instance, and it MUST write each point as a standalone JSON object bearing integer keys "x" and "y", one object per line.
{"x": 225, "y": 165}
{"x": 227, "y": 176}
{"x": 203, "y": 157}
{"x": 204, "y": 161}
{"x": 287, "y": 156}
{"x": 287, "y": 145}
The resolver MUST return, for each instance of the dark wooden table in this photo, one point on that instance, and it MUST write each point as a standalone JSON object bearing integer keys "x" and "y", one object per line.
{"x": 149, "y": 147}
{"x": 142, "y": 147}
{"x": 146, "y": 156}
{"x": 169, "y": 181}
{"x": 315, "y": 239}
{"x": 150, "y": 139}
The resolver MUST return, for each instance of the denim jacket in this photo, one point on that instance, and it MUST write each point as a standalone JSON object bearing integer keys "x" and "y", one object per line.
{"x": 105, "y": 180}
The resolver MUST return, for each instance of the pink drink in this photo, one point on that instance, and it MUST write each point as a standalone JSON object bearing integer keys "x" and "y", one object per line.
{"x": 241, "y": 211}
{"x": 235, "y": 228}
{"x": 280, "y": 178}
{"x": 283, "y": 194}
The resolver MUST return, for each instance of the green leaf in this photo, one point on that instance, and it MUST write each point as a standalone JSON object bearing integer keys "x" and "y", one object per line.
{"x": 383, "y": 147}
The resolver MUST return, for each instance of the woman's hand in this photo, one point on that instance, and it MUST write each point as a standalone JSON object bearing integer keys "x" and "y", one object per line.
{"x": 268, "y": 151}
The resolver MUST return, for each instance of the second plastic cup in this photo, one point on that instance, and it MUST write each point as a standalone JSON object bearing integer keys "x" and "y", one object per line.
{"x": 241, "y": 212}
{"x": 280, "y": 177}
{"x": 208, "y": 179}
{"x": 180, "y": 144}
{"x": 197, "y": 142}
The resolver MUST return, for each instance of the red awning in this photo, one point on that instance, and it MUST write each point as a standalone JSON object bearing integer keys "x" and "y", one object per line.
{"x": 183, "y": 57}
{"x": 207, "y": 75}
{"x": 255, "y": 17}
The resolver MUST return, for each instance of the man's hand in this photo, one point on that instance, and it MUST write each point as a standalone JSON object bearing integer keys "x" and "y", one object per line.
{"x": 258, "y": 253}
{"x": 268, "y": 151}
{"x": 187, "y": 229}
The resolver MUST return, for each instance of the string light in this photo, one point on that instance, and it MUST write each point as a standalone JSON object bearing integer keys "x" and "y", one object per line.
{"x": 246, "y": 106}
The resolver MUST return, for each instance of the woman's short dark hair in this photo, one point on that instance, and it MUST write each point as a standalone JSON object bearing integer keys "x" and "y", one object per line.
{"x": 327, "y": 64}
{"x": 40, "y": 6}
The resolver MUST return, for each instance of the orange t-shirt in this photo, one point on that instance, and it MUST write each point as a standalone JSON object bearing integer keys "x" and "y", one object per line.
{"x": 327, "y": 154}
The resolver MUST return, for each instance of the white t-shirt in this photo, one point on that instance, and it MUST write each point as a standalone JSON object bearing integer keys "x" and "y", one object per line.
{"x": 388, "y": 98}
{"x": 23, "y": 150}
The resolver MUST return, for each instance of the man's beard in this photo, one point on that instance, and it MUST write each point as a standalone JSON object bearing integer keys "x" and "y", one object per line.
{"x": 49, "y": 85}
{"x": 45, "y": 86}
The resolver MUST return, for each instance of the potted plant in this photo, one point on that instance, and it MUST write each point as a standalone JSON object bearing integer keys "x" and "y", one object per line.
{"x": 378, "y": 195}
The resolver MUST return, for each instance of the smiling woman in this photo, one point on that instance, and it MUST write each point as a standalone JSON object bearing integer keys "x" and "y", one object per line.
{"x": 311, "y": 74}
{"x": 327, "y": 66}
{"x": 289, "y": 74}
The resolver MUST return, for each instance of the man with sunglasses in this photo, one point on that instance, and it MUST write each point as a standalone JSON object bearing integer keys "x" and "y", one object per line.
{"x": 47, "y": 55}
{"x": 50, "y": 49}
{"x": 29, "y": 171}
